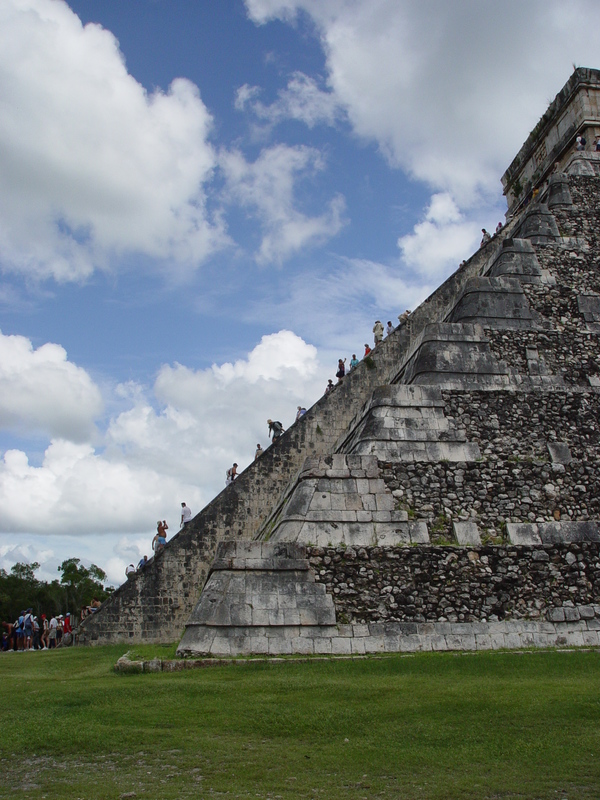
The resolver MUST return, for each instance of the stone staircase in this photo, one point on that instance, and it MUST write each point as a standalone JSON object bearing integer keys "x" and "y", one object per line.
{"x": 339, "y": 504}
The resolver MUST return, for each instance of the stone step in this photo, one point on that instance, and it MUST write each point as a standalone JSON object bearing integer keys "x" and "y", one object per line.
{"x": 532, "y": 533}
{"x": 351, "y": 510}
{"x": 254, "y": 587}
{"x": 419, "y": 451}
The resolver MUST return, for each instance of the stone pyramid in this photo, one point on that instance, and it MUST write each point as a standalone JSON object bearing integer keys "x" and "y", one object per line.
{"x": 446, "y": 494}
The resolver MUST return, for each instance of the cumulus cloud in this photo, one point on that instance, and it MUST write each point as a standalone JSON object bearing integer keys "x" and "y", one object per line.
{"x": 111, "y": 552}
{"x": 441, "y": 240}
{"x": 448, "y": 91}
{"x": 266, "y": 188}
{"x": 212, "y": 417}
{"x": 83, "y": 147}
{"x": 76, "y": 489}
{"x": 172, "y": 444}
{"x": 302, "y": 100}
{"x": 44, "y": 391}
{"x": 337, "y": 303}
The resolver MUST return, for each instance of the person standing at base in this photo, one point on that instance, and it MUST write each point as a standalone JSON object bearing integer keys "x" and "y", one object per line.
{"x": 67, "y": 630}
{"x": 28, "y": 629}
{"x": 52, "y": 633}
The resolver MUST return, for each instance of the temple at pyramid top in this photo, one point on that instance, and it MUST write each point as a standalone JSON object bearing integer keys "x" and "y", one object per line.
{"x": 575, "y": 111}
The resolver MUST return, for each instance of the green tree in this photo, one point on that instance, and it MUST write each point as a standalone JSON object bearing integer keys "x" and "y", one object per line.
{"x": 25, "y": 572}
{"x": 81, "y": 584}
{"x": 18, "y": 590}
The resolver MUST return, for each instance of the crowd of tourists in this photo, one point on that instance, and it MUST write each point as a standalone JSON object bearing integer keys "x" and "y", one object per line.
{"x": 44, "y": 632}
{"x": 378, "y": 333}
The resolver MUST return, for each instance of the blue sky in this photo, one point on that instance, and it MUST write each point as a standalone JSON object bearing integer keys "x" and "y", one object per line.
{"x": 203, "y": 205}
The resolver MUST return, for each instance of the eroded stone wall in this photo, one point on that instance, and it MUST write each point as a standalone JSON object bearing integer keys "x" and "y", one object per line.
{"x": 451, "y": 584}
{"x": 516, "y": 479}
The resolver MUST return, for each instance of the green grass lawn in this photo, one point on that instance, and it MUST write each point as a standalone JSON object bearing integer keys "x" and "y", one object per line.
{"x": 490, "y": 725}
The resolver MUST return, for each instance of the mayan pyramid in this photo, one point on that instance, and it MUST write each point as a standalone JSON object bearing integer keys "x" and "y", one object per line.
{"x": 446, "y": 494}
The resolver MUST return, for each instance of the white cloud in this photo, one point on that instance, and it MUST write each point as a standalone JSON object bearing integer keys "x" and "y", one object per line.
{"x": 337, "y": 304}
{"x": 448, "y": 91}
{"x": 215, "y": 416}
{"x": 441, "y": 241}
{"x": 77, "y": 490}
{"x": 41, "y": 390}
{"x": 83, "y": 148}
{"x": 174, "y": 446}
{"x": 110, "y": 552}
{"x": 302, "y": 100}
{"x": 266, "y": 189}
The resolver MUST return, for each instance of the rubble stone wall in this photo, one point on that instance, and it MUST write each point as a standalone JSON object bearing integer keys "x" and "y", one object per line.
{"x": 453, "y": 584}
{"x": 516, "y": 479}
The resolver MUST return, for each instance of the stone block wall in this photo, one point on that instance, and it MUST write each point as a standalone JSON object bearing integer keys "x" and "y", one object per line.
{"x": 155, "y": 604}
{"x": 459, "y": 584}
{"x": 540, "y": 461}
{"x": 549, "y": 398}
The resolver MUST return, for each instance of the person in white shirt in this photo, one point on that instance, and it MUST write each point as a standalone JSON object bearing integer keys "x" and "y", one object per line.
{"x": 186, "y": 515}
{"x": 52, "y": 632}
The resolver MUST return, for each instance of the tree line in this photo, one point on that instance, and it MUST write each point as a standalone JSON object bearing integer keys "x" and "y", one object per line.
{"x": 76, "y": 587}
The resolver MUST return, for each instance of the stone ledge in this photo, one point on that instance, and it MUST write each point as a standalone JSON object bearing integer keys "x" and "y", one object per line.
{"x": 389, "y": 638}
{"x": 531, "y": 533}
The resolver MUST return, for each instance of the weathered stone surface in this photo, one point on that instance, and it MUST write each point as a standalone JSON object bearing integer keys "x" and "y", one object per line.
{"x": 245, "y": 609}
{"x": 467, "y": 533}
{"x": 516, "y": 257}
{"x": 454, "y": 355}
{"x": 494, "y": 303}
{"x": 475, "y": 422}
{"x": 538, "y": 225}
{"x": 475, "y": 584}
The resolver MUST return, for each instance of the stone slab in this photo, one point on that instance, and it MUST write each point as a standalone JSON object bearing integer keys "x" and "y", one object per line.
{"x": 467, "y": 533}
{"x": 523, "y": 533}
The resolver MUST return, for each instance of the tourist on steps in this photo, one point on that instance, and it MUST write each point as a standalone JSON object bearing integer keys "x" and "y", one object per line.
{"x": 186, "y": 514}
{"x": 378, "y": 331}
{"x": 276, "y": 429}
